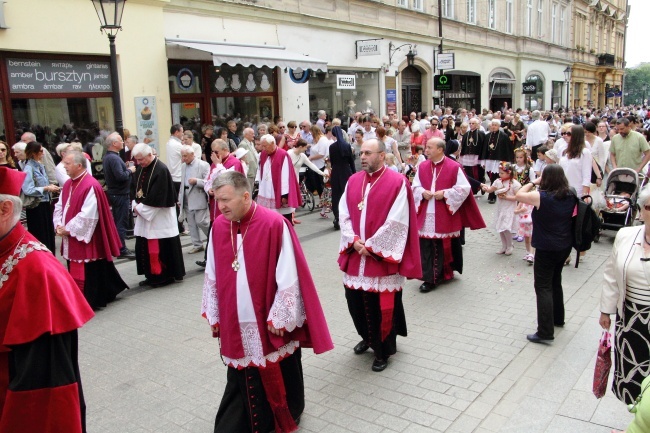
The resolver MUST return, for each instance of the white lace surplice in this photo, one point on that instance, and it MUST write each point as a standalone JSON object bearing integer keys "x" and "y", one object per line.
{"x": 454, "y": 198}
{"x": 388, "y": 241}
{"x": 266, "y": 192}
{"x": 287, "y": 312}
{"x": 81, "y": 226}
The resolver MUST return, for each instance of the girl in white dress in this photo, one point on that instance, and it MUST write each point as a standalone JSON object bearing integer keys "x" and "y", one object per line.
{"x": 505, "y": 221}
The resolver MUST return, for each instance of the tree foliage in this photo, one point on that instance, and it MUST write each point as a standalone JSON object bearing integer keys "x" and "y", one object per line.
{"x": 635, "y": 80}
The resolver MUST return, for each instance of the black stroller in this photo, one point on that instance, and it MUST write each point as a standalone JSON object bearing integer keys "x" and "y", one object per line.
{"x": 621, "y": 193}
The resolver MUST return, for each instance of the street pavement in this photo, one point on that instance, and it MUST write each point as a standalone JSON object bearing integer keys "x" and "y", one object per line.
{"x": 149, "y": 363}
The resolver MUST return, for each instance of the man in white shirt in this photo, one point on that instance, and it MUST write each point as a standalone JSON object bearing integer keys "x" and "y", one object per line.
{"x": 368, "y": 130}
{"x": 322, "y": 115}
{"x": 537, "y": 133}
{"x": 174, "y": 162}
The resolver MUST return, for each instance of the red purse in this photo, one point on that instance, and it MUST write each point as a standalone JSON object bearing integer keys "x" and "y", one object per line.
{"x": 603, "y": 365}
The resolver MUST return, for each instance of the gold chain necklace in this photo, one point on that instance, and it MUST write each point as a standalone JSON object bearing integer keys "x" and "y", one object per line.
{"x": 235, "y": 251}
{"x": 72, "y": 188}
{"x": 361, "y": 204}
{"x": 435, "y": 178}
{"x": 140, "y": 194}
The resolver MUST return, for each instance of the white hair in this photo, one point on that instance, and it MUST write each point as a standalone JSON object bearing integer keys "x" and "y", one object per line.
{"x": 644, "y": 195}
{"x": 20, "y": 146}
{"x": 141, "y": 149}
{"x": 186, "y": 150}
{"x": 495, "y": 122}
{"x": 30, "y": 136}
{"x": 18, "y": 206}
{"x": 268, "y": 138}
{"x": 62, "y": 147}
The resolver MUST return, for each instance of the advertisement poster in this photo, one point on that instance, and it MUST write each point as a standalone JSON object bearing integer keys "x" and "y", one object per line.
{"x": 146, "y": 120}
{"x": 391, "y": 100}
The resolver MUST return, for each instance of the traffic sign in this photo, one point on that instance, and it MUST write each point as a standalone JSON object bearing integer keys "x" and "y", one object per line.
{"x": 442, "y": 82}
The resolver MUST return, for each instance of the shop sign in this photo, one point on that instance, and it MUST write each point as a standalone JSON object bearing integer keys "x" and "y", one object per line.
{"x": 368, "y": 48}
{"x": 185, "y": 79}
{"x": 460, "y": 95}
{"x": 147, "y": 120}
{"x": 529, "y": 88}
{"x": 442, "y": 82}
{"x": 58, "y": 76}
{"x": 391, "y": 100}
{"x": 445, "y": 61}
{"x": 346, "y": 82}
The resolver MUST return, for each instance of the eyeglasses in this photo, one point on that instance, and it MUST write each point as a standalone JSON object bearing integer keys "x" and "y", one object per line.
{"x": 568, "y": 134}
{"x": 214, "y": 151}
{"x": 646, "y": 207}
{"x": 292, "y": 127}
{"x": 434, "y": 125}
{"x": 368, "y": 152}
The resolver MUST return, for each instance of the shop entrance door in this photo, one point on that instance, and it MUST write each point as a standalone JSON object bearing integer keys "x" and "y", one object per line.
{"x": 411, "y": 91}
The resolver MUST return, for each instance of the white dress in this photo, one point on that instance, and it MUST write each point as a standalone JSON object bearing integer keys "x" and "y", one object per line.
{"x": 505, "y": 218}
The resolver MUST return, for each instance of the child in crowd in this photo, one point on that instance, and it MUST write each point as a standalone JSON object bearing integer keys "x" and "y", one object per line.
{"x": 504, "y": 221}
{"x": 525, "y": 230}
{"x": 524, "y": 173}
{"x": 390, "y": 162}
{"x": 618, "y": 204}
{"x": 326, "y": 198}
{"x": 419, "y": 151}
{"x": 539, "y": 165}
{"x": 552, "y": 157}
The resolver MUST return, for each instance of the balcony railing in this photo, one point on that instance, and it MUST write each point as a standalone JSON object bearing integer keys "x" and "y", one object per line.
{"x": 605, "y": 60}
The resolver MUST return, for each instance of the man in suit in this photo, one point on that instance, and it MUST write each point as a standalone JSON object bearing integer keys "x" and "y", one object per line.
{"x": 192, "y": 199}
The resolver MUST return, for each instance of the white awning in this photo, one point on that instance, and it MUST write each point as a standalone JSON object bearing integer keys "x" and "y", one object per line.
{"x": 248, "y": 54}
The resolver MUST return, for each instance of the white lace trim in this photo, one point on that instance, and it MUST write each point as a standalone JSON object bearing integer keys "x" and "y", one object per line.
{"x": 347, "y": 235}
{"x": 20, "y": 252}
{"x": 454, "y": 199}
{"x": 82, "y": 228}
{"x": 417, "y": 195}
{"x": 428, "y": 230}
{"x": 390, "y": 240}
{"x": 65, "y": 244}
{"x": 253, "y": 351}
{"x": 389, "y": 283}
{"x": 210, "y": 305}
{"x": 268, "y": 203}
{"x": 288, "y": 310}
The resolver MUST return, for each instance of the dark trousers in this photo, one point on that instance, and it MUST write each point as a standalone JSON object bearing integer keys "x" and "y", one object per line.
{"x": 475, "y": 172}
{"x": 314, "y": 182}
{"x": 120, "y": 209}
{"x": 548, "y": 289}
{"x": 533, "y": 152}
{"x": 177, "y": 188}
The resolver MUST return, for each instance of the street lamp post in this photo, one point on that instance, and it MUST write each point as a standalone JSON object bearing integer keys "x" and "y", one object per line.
{"x": 567, "y": 80}
{"x": 110, "y": 18}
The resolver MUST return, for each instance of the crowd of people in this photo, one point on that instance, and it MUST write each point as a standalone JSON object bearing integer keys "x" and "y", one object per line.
{"x": 403, "y": 192}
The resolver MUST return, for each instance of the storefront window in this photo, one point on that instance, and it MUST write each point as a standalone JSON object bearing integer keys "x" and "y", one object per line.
{"x": 360, "y": 94}
{"x": 241, "y": 79}
{"x": 557, "y": 91}
{"x": 535, "y": 101}
{"x": 245, "y": 108}
{"x": 185, "y": 78}
{"x": 187, "y": 114}
{"x": 62, "y": 119}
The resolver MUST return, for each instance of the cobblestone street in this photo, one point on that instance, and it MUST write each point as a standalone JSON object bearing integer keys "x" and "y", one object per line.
{"x": 149, "y": 364}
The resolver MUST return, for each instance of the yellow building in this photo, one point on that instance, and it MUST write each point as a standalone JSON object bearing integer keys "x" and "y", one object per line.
{"x": 598, "y": 51}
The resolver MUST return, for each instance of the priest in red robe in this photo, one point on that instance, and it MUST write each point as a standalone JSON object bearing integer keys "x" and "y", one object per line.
{"x": 260, "y": 300}
{"x": 83, "y": 219}
{"x": 222, "y": 160}
{"x": 278, "y": 187}
{"x": 158, "y": 254}
{"x": 444, "y": 206}
{"x": 41, "y": 309}
{"x": 379, "y": 250}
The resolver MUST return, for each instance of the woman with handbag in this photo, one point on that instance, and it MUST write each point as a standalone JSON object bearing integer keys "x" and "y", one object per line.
{"x": 626, "y": 293}
{"x": 37, "y": 188}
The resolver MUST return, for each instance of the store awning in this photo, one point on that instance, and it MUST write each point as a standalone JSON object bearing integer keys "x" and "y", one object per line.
{"x": 249, "y": 54}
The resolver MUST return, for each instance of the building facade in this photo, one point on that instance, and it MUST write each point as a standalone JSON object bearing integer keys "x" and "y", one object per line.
{"x": 205, "y": 61}
{"x": 599, "y": 47}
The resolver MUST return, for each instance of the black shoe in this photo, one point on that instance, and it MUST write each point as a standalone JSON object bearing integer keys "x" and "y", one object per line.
{"x": 535, "y": 338}
{"x": 200, "y": 263}
{"x": 361, "y": 347}
{"x": 163, "y": 283}
{"x": 559, "y": 325}
{"x": 379, "y": 364}
{"x": 336, "y": 225}
{"x": 427, "y": 287}
{"x": 127, "y": 254}
{"x": 144, "y": 283}
{"x": 492, "y": 200}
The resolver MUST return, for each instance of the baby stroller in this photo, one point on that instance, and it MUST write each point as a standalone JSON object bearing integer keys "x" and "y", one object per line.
{"x": 621, "y": 194}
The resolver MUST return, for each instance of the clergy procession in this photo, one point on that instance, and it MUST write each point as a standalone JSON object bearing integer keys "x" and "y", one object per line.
{"x": 402, "y": 209}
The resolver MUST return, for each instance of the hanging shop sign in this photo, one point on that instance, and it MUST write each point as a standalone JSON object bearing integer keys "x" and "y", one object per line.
{"x": 445, "y": 61}
{"x": 146, "y": 120}
{"x": 442, "y": 82}
{"x": 299, "y": 76}
{"x": 528, "y": 88}
{"x": 185, "y": 79}
{"x": 346, "y": 82}
{"x": 368, "y": 48}
{"x": 58, "y": 76}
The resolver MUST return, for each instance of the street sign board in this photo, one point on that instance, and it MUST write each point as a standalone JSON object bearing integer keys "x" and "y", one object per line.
{"x": 528, "y": 88}
{"x": 445, "y": 61}
{"x": 442, "y": 82}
